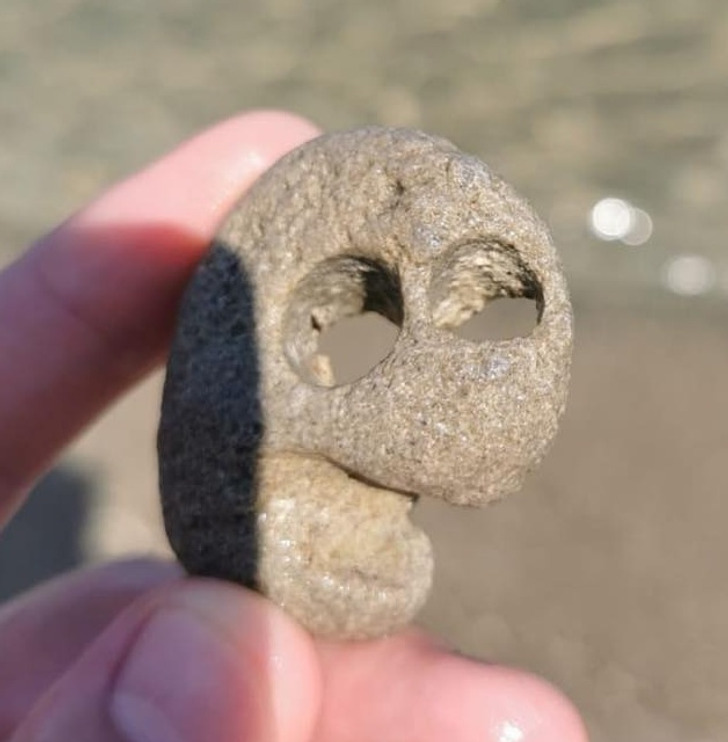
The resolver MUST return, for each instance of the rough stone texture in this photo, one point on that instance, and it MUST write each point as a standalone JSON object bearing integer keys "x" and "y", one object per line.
{"x": 273, "y": 476}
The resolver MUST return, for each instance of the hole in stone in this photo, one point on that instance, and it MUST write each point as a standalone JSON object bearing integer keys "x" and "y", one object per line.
{"x": 343, "y": 319}
{"x": 501, "y": 319}
{"x": 355, "y": 345}
{"x": 485, "y": 291}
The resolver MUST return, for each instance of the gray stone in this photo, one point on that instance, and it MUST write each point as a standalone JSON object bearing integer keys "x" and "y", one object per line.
{"x": 277, "y": 478}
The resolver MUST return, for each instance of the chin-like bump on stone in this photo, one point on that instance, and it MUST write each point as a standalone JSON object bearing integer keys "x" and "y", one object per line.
{"x": 275, "y": 476}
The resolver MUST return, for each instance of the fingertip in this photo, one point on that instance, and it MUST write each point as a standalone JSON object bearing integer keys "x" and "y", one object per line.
{"x": 534, "y": 710}
{"x": 242, "y": 147}
{"x": 512, "y": 705}
{"x": 284, "y": 128}
{"x": 195, "y": 184}
{"x": 410, "y": 682}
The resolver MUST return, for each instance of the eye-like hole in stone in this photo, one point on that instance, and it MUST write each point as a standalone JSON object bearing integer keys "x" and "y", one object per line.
{"x": 343, "y": 319}
{"x": 468, "y": 280}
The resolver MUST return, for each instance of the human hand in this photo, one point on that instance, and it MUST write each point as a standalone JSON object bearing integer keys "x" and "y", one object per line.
{"x": 134, "y": 652}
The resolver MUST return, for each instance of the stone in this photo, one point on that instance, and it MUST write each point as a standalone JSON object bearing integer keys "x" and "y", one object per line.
{"x": 274, "y": 476}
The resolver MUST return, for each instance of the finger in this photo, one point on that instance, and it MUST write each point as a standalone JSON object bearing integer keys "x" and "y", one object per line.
{"x": 410, "y": 684}
{"x": 90, "y": 307}
{"x": 45, "y": 631}
{"x": 196, "y": 662}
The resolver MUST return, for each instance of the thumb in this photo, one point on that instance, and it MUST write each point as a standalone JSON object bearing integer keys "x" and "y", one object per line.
{"x": 193, "y": 662}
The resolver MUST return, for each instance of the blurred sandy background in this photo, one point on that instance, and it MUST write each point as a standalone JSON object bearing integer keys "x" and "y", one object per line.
{"x": 608, "y": 573}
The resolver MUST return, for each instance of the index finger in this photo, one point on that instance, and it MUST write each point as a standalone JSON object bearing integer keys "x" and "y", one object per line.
{"x": 89, "y": 308}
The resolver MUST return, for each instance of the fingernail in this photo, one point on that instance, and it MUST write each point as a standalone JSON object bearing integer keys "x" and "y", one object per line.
{"x": 217, "y": 662}
{"x": 185, "y": 680}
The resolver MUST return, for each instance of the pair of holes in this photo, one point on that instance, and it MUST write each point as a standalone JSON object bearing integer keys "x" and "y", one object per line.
{"x": 345, "y": 316}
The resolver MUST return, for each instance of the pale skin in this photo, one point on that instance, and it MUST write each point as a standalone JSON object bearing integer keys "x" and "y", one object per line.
{"x": 135, "y": 652}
